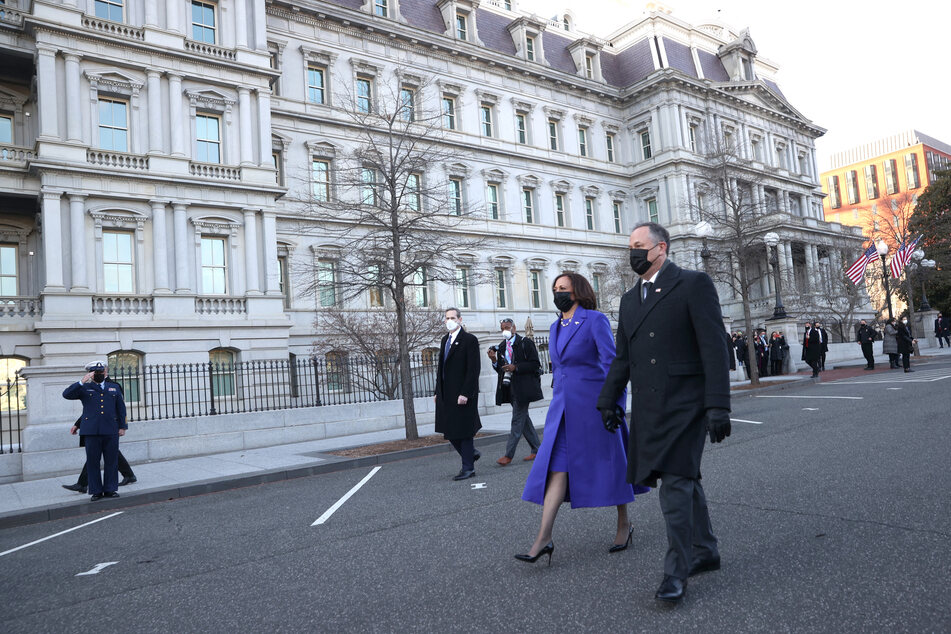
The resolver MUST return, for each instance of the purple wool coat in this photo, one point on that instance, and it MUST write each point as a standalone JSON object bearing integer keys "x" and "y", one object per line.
{"x": 581, "y": 354}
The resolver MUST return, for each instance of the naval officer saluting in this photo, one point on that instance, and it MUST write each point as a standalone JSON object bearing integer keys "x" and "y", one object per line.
{"x": 103, "y": 421}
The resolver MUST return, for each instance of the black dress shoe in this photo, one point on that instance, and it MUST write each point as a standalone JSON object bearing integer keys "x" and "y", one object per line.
{"x": 110, "y": 494}
{"x": 96, "y": 497}
{"x": 706, "y": 565}
{"x": 671, "y": 590}
{"x": 74, "y": 487}
{"x": 909, "y": 370}
{"x": 477, "y": 455}
{"x": 464, "y": 474}
{"x": 129, "y": 480}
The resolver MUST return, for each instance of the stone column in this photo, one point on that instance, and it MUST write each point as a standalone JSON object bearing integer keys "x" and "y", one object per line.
{"x": 244, "y": 126}
{"x": 159, "y": 246}
{"x": 271, "y": 284}
{"x": 264, "y": 127}
{"x": 53, "y": 241}
{"x": 74, "y": 123}
{"x": 241, "y": 23}
{"x": 175, "y": 117}
{"x": 260, "y": 26}
{"x": 47, "y": 93}
{"x": 77, "y": 247}
{"x": 182, "y": 278}
{"x": 151, "y": 13}
{"x": 251, "y": 251}
{"x": 155, "y": 113}
{"x": 172, "y": 22}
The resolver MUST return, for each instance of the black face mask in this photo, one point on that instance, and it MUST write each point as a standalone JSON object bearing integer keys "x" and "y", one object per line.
{"x": 639, "y": 261}
{"x": 98, "y": 377}
{"x": 563, "y": 301}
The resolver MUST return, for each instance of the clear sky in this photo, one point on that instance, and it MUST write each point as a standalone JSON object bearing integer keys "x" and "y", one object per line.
{"x": 861, "y": 69}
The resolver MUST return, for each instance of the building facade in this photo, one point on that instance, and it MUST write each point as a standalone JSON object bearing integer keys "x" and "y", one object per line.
{"x": 154, "y": 157}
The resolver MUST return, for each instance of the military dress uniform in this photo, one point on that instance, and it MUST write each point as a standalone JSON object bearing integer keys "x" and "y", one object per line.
{"x": 104, "y": 414}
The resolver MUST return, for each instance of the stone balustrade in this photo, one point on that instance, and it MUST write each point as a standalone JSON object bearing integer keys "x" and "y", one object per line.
{"x": 213, "y": 170}
{"x": 122, "y": 305}
{"x": 117, "y": 159}
{"x": 220, "y": 306}
{"x": 16, "y": 154}
{"x": 210, "y": 50}
{"x": 20, "y": 306}
{"x": 113, "y": 29}
{"x": 10, "y": 17}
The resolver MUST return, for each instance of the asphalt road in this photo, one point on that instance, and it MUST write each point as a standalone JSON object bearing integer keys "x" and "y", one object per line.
{"x": 832, "y": 515}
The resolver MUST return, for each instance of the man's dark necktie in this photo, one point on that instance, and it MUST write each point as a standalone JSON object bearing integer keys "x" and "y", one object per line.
{"x": 645, "y": 289}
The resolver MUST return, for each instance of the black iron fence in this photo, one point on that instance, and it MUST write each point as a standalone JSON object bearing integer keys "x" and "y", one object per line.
{"x": 155, "y": 392}
{"x": 544, "y": 357}
{"x": 12, "y": 410}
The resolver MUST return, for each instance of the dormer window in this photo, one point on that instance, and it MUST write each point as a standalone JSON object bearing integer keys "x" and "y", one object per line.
{"x": 459, "y": 17}
{"x": 383, "y": 9}
{"x": 589, "y": 66}
{"x": 748, "y": 69}
{"x": 566, "y": 23}
{"x": 586, "y": 54}
{"x": 526, "y": 32}
{"x": 462, "y": 26}
{"x": 530, "y": 48}
{"x": 380, "y": 8}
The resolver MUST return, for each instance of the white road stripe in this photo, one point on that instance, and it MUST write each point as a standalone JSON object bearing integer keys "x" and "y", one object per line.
{"x": 97, "y": 568}
{"x": 68, "y": 530}
{"x": 751, "y": 422}
{"x": 851, "y": 398}
{"x": 333, "y": 509}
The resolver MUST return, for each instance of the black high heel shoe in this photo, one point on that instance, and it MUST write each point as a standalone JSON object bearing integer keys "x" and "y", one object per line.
{"x": 547, "y": 550}
{"x": 616, "y": 548}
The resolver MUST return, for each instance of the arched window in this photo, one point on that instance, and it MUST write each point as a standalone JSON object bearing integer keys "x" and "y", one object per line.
{"x": 222, "y": 372}
{"x": 337, "y": 378}
{"x": 431, "y": 357}
{"x": 12, "y": 388}
{"x": 125, "y": 368}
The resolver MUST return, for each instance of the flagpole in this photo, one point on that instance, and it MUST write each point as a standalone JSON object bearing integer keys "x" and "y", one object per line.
{"x": 882, "y": 252}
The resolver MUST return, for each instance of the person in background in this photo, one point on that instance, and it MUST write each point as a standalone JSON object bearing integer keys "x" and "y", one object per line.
{"x": 128, "y": 476}
{"x": 778, "y": 349}
{"x": 906, "y": 343}
{"x": 864, "y": 337}
{"x": 457, "y": 391}
{"x": 824, "y": 344}
{"x": 942, "y": 330}
{"x": 517, "y": 358}
{"x": 890, "y": 343}
{"x": 812, "y": 349}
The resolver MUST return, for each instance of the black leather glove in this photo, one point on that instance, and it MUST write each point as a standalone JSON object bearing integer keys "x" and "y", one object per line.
{"x": 612, "y": 418}
{"x": 718, "y": 423}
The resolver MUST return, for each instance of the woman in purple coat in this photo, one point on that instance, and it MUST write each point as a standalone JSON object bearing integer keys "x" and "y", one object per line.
{"x": 579, "y": 461}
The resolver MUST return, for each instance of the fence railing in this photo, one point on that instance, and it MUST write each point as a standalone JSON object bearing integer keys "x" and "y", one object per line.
{"x": 155, "y": 392}
{"x": 12, "y": 413}
{"x": 544, "y": 357}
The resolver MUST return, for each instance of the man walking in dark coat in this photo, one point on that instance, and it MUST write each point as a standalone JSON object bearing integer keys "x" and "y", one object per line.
{"x": 103, "y": 421}
{"x": 457, "y": 391}
{"x": 680, "y": 390}
{"x": 865, "y": 337}
{"x": 942, "y": 330}
{"x": 812, "y": 349}
{"x": 517, "y": 359}
{"x": 823, "y": 345}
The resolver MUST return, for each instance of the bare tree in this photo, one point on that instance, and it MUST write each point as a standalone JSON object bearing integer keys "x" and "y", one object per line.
{"x": 394, "y": 208}
{"x": 617, "y": 280}
{"x": 737, "y": 218}
{"x": 889, "y": 218}
{"x": 836, "y": 301}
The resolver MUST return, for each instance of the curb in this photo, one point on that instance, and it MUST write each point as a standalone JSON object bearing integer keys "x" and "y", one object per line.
{"x": 777, "y": 387}
{"x": 331, "y": 464}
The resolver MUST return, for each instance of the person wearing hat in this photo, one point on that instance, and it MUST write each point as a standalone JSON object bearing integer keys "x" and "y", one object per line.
{"x": 103, "y": 421}
{"x": 82, "y": 483}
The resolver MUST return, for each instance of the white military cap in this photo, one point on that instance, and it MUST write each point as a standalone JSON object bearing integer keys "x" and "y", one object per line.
{"x": 92, "y": 366}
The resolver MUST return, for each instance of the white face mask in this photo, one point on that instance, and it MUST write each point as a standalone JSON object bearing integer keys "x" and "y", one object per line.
{"x": 904, "y": 321}
{"x": 507, "y": 334}
{"x": 451, "y": 325}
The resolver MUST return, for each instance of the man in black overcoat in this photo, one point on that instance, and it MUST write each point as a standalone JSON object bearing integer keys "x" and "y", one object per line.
{"x": 457, "y": 391}
{"x": 517, "y": 356}
{"x": 824, "y": 344}
{"x": 812, "y": 349}
{"x": 942, "y": 330}
{"x": 668, "y": 347}
{"x": 865, "y": 336}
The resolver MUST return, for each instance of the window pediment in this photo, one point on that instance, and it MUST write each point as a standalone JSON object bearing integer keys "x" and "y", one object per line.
{"x": 459, "y": 170}
{"x": 494, "y": 175}
{"x": 522, "y": 106}
{"x": 114, "y": 81}
{"x": 647, "y": 192}
{"x": 561, "y": 186}
{"x": 215, "y": 225}
{"x": 318, "y": 56}
{"x": 528, "y": 180}
{"x": 572, "y": 266}
{"x": 502, "y": 261}
{"x": 322, "y": 149}
{"x": 537, "y": 263}
{"x": 209, "y": 100}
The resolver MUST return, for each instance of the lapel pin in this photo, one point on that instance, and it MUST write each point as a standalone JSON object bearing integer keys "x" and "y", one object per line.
{"x": 657, "y": 291}
{"x": 576, "y": 323}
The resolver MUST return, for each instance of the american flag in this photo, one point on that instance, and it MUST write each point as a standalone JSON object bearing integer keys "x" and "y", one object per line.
{"x": 903, "y": 255}
{"x": 857, "y": 271}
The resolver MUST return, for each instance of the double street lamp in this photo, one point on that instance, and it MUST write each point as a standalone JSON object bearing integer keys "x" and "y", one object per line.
{"x": 923, "y": 265}
{"x": 882, "y": 249}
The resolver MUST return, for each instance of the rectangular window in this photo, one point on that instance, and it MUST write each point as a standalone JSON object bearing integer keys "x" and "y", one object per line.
{"x": 553, "y": 134}
{"x": 692, "y": 137}
{"x": 609, "y": 143}
{"x": 449, "y": 113}
{"x": 780, "y": 158}
{"x": 203, "y": 22}
{"x": 462, "y": 27}
{"x": 368, "y": 186}
{"x": 213, "y": 266}
{"x": 560, "y": 210}
{"x": 376, "y": 291}
{"x": 485, "y": 118}
{"x": 528, "y": 205}
{"x": 462, "y": 287}
{"x": 852, "y": 186}
{"x": 500, "y": 299}
{"x": 414, "y": 196}
{"x": 757, "y": 150}
{"x": 8, "y": 270}
{"x": 327, "y": 282}
{"x": 835, "y": 197}
{"x": 521, "y": 128}
{"x": 316, "y": 84}
{"x": 278, "y": 164}
{"x": 364, "y": 95}
{"x": 380, "y": 8}
{"x": 407, "y": 104}
{"x": 652, "y": 214}
{"x": 646, "y": 144}
{"x": 583, "y": 141}
{"x": 596, "y": 287}
{"x": 911, "y": 171}
{"x": 589, "y": 213}
{"x": 616, "y": 208}
{"x": 421, "y": 287}
{"x": 320, "y": 171}
{"x": 804, "y": 165}
{"x": 283, "y": 280}
{"x": 535, "y": 280}
{"x": 589, "y": 66}
{"x": 109, "y": 10}
{"x": 492, "y": 200}
{"x": 208, "y": 137}
{"x": 530, "y": 49}
{"x": 118, "y": 267}
{"x": 113, "y": 125}
{"x": 6, "y": 129}
{"x": 455, "y": 196}
{"x": 891, "y": 176}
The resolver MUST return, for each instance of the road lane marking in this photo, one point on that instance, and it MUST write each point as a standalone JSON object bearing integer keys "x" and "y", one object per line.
{"x": 751, "y": 422}
{"x": 851, "y": 398}
{"x": 68, "y": 530}
{"x": 810, "y": 409}
{"x": 892, "y": 388}
{"x": 97, "y": 568}
{"x": 478, "y": 485}
{"x": 333, "y": 509}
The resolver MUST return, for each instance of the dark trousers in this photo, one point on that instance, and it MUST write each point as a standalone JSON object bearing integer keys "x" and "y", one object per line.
{"x": 466, "y": 449}
{"x": 893, "y": 359}
{"x": 867, "y": 353}
{"x": 521, "y": 426}
{"x": 124, "y": 469}
{"x": 776, "y": 367}
{"x": 105, "y": 448}
{"x": 689, "y": 534}
{"x": 822, "y": 362}
{"x": 942, "y": 339}
{"x": 906, "y": 360}
{"x": 814, "y": 365}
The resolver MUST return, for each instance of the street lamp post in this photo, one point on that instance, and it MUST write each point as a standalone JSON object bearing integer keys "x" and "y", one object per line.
{"x": 772, "y": 242}
{"x": 923, "y": 265}
{"x": 703, "y": 230}
{"x": 882, "y": 249}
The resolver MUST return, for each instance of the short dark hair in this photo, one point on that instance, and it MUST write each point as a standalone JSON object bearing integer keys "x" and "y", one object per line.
{"x": 657, "y": 232}
{"x": 581, "y": 287}
{"x": 458, "y": 314}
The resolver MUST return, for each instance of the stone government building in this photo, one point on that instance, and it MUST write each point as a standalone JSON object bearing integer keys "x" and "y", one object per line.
{"x": 148, "y": 209}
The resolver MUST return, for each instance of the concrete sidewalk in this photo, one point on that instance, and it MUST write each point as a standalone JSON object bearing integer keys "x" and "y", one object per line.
{"x": 43, "y": 500}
